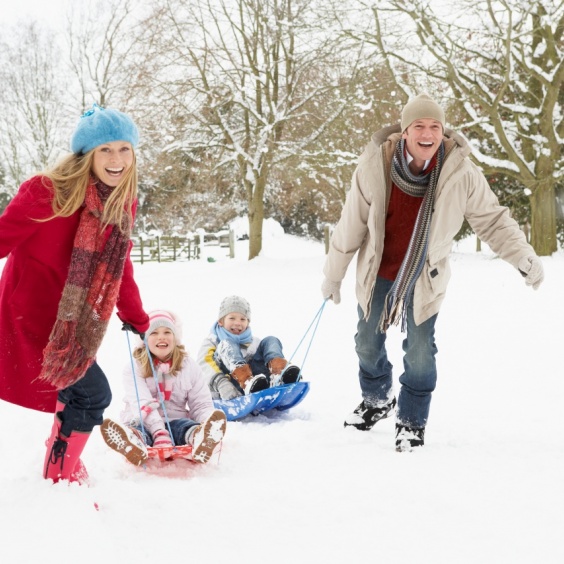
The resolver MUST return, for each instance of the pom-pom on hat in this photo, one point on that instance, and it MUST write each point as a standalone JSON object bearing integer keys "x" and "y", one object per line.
{"x": 102, "y": 125}
{"x": 420, "y": 107}
{"x": 163, "y": 318}
{"x": 234, "y": 304}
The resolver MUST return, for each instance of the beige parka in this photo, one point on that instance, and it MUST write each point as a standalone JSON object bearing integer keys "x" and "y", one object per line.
{"x": 462, "y": 192}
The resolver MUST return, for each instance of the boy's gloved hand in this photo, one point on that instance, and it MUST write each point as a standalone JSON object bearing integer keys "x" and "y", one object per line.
{"x": 225, "y": 387}
{"x": 161, "y": 439}
{"x": 330, "y": 289}
{"x": 531, "y": 268}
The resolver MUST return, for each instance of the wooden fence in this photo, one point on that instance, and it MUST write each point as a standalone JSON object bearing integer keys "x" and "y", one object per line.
{"x": 176, "y": 248}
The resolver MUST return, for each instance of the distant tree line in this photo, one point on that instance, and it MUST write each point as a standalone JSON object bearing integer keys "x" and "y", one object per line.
{"x": 261, "y": 107}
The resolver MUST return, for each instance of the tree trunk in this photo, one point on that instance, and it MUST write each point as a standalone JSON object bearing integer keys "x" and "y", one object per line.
{"x": 255, "y": 232}
{"x": 256, "y": 215}
{"x": 543, "y": 219}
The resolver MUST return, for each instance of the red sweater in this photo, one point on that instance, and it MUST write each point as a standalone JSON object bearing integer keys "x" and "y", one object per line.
{"x": 400, "y": 219}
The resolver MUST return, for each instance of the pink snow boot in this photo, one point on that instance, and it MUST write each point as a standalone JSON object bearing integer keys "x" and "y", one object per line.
{"x": 79, "y": 474}
{"x": 62, "y": 459}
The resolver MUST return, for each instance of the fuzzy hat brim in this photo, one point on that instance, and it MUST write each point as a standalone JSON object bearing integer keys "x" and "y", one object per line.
{"x": 102, "y": 125}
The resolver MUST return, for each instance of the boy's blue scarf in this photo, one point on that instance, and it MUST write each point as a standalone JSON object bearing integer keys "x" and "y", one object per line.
{"x": 221, "y": 333}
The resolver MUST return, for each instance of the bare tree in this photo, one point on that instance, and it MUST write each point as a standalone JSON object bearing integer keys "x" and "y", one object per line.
{"x": 250, "y": 77}
{"x": 503, "y": 63}
{"x": 105, "y": 54}
{"x": 32, "y": 95}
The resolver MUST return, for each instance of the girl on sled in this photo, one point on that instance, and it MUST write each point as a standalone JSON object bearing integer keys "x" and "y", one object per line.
{"x": 188, "y": 405}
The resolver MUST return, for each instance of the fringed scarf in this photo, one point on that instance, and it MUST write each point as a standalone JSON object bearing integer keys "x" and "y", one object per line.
{"x": 422, "y": 186}
{"x": 89, "y": 295}
{"x": 164, "y": 377}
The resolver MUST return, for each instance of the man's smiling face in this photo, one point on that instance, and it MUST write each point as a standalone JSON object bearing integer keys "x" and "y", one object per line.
{"x": 422, "y": 138}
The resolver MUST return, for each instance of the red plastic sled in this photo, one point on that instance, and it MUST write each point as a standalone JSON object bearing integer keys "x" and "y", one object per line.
{"x": 170, "y": 453}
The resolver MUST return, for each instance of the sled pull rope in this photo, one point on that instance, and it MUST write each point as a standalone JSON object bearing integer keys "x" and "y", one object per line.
{"x": 135, "y": 384}
{"x": 315, "y": 320}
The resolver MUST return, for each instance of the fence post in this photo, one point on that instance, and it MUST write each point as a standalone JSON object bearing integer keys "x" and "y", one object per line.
{"x": 202, "y": 241}
{"x": 231, "y": 243}
{"x": 174, "y": 243}
{"x": 158, "y": 248}
{"x": 327, "y": 236}
{"x": 141, "y": 249}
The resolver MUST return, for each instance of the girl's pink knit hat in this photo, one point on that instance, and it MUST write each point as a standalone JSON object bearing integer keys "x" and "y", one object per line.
{"x": 165, "y": 318}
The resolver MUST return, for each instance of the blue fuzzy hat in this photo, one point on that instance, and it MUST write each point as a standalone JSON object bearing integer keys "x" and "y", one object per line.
{"x": 102, "y": 125}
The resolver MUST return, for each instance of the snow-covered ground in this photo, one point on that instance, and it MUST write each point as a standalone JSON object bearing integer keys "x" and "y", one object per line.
{"x": 296, "y": 486}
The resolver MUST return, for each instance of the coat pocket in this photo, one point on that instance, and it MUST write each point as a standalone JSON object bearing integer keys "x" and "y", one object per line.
{"x": 437, "y": 276}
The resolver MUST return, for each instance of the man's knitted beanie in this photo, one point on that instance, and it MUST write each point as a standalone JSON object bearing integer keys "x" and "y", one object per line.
{"x": 420, "y": 107}
{"x": 102, "y": 125}
{"x": 234, "y": 304}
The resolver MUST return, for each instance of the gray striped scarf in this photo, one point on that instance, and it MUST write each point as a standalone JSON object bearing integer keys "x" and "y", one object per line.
{"x": 422, "y": 186}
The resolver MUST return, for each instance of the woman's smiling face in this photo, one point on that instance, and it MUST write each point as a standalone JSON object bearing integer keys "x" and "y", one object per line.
{"x": 112, "y": 161}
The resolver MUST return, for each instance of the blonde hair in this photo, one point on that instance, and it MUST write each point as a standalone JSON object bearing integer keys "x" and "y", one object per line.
{"x": 70, "y": 178}
{"x": 141, "y": 354}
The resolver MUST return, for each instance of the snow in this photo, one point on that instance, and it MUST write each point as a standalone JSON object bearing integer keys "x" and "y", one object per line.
{"x": 296, "y": 486}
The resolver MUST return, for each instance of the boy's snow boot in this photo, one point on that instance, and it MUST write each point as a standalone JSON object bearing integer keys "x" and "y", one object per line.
{"x": 207, "y": 436}
{"x": 249, "y": 383}
{"x": 290, "y": 375}
{"x": 256, "y": 384}
{"x": 288, "y": 372}
{"x": 63, "y": 454}
{"x": 125, "y": 440}
{"x": 241, "y": 374}
{"x": 276, "y": 365}
{"x": 364, "y": 417}
{"x": 408, "y": 438}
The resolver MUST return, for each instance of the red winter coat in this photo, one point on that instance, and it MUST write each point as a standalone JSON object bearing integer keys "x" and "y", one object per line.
{"x": 31, "y": 286}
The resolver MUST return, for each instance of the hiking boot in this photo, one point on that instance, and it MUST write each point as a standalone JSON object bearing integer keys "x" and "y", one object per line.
{"x": 125, "y": 440}
{"x": 242, "y": 374}
{"x": 364, "y": 417}
{"x": 256, "y": 384}
{"x": 290, "y": 375}
{"x": 408, "y": 438}
{"x": 207, "y": 436}
{"x": 276, "y": 365}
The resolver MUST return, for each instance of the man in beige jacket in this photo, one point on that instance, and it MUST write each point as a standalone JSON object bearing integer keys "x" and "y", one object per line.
{"x": 413, "y": 187}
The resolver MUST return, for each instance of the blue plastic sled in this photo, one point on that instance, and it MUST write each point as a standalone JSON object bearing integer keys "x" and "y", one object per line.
{"x": 278, "y": 397}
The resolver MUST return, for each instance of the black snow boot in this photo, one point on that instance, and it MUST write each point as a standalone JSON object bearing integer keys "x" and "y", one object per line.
{"x": 408, "y": 438}
{"x": 365, "y": 417}
{"x": 290, "y": 375}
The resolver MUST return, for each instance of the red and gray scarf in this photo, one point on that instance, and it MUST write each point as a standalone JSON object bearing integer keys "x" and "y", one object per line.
{"x": 89, "y": 295}
{"x": 422, "y": 186}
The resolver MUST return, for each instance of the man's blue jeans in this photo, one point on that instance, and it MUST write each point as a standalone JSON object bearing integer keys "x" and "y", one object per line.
{"x": 375, "y": 370}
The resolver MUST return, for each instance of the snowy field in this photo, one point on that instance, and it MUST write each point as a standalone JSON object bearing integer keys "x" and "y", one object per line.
{"x": 296, "y": 486}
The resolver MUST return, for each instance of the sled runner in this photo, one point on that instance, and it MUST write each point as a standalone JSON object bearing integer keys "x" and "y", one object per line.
{"x": 278, "y": 397}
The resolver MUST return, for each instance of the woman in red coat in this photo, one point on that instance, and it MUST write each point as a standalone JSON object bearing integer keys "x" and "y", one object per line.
{"x": 66, "y": 234}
